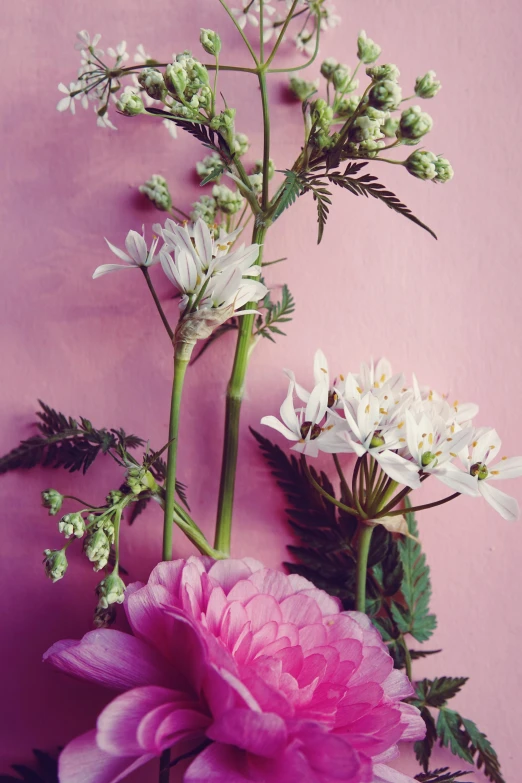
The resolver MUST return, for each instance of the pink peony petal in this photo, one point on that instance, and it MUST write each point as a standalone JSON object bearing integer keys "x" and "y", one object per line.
{"x": 112, "y": 658}
{"x": 82, "y": 761}
{"x": 261, "y": 733}
{"x": 219, "y": 764}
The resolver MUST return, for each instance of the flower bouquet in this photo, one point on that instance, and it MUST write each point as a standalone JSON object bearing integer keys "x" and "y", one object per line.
{"x": 227, "y": 670}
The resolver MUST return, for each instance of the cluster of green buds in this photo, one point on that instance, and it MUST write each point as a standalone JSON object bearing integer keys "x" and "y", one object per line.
{"x": 358, "y": 126}
{"x": 140, "y": 479}
{"x": 256, "y": 177}
{"x": 110, "y": 590}
{"x": 187, "y": 81}
{"x": 227, "y": 201}
{"x": 55, "y": 563}
{"x": 209, "y": 164}
{"x": 130, "y": 103}
{"x": 205, "y": 208}
{"x": 72, "y": 525}
{"x": 210, "y": 41}
{"x": 52, "y": 499}
{"x": 157, "y": 190}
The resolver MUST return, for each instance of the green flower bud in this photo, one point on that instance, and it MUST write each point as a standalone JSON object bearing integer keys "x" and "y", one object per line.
{"x": 176, "y": 79}
{"x": 376, "y": 441}
{"x": 210, "y": 41}
{"x": 390, "y": 127}
{"x": 114, "y": 497}
{"x": 52, "y": 500}
{"x": 111, "y": 590}
{"x": 386, "y": 95}
{"x": 140, "y": 480}
{"x": 228, "y": 201}
{"x": 367, "y": 50}
{"x": 444, "y": 170}
{"x": 370, "y": 148}
{"x": 208, "y": 164}
{"x": 341, "y": 79}
{"x": 55, "y": 563}
{"x": 347, "y": 106}
{"x": 72, "y": 525}
{"x": 224, "y": 120}
{"x": 322, "y": 114}
{"x": 421, "y": 164}
{"x": 427, "y": 86}
{"x": 157, "y": 190}
{"x": 414, "y": 124}
{"x": 205, "y": 208}
{"x": 427, "y": 457}
{"x": 303, "y": 89}
{"x": 130, "y": 104}
{"x": 386, "y": 71}
{"x": 366, "y": 127}
{"x": 153, "y": 83}
{"x": 328, "y": 67}
{"x": 258, "y": 168}
{"x": 240, "y": 144}
{"x": 97, "y": 548}
{"x": 256, "y": 182}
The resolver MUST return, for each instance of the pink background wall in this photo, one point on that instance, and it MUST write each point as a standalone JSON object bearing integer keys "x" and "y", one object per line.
{"x": 447, "y": 310}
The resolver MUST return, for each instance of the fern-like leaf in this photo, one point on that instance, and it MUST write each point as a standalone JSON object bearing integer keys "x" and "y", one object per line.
{"x": 290, "y": 190}
{"x": 276, "y": 313}
{"x": 208, "y": 137}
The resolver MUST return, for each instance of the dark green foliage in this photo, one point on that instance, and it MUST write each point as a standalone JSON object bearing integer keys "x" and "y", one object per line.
{"x": 442, "y": 775}
{"x": 66, "y": 443}
{"x": 436, "y": 692}
{"x": 208, "y": 137}
{"x": 46, "y": 770}
{"x": 275, "y": 313}
{"x": 213, "y": 175}
{"x": 290, "y": 190}
{"x": 412, "y": 616}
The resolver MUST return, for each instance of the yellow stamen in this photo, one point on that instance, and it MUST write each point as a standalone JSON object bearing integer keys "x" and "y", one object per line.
{"x": 494, "y": 472}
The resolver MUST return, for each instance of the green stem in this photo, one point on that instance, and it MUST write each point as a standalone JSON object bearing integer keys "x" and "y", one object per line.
{"x": 282, "y": 33}
{"x": 157, "y": 302}
{"x": 413, "y": 509}
{"x": 308, "y": 62}
{"x": 266, "y": 138}
{"x": 345, "y": 489}
{"x": 363, "y": 550}
{"x": 235, "y": 392}
{"x": 322, "y": 491}
{"x": 407, "y": 658}
{"x": 181, "y": 360}
{"x": 240, "y": 31}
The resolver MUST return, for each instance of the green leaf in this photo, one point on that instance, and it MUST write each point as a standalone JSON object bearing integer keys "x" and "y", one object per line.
{"x": 436, "y": 692}
{"x": 485, "y": 756}
{"x": 208, "y": 137}
{"x": 276, "y": 313}
{"x": 414, "y": 617}
{"x": 451, "y": 734}
{"x": 423, "y": 748}
{"x": 290, "y": 190}
{"x": 368, "y": 185}
{"x": 213, "y": 175}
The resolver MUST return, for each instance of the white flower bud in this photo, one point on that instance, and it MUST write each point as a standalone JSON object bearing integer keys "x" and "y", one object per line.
{"x": 240, "y": 144}
{"x": 367, "y": 50}
{"x": 205, "y": 208}
{"x": 385, "y": 94}
{"x": 256, "y": 181}
{"x": 328, "y": 67}
{"x": 414, "y": 124}
{"x": 210, "y": 41}
{"x": 111, "y": 590}
{"x": 258, "y": 168}
{"x": 72, "y": 525}
{"x": 205, "y": 166}
{"x": 228, "y": 201}
{"x": 52, "y": 499}
{"x": 97, "y": 548}
{"x": 303, "y": 89}
{"x": 55, "y": 563}
{"x": 386, "y": 71}
{"x": 390, "y": 127}
{"x": 427, "y": 86}
{"x": 130, "y": 104}
{"x": 422, "y": 164}
{"x": 444, "y": 170}
{"x": 153, "y": 83}
{"x": 157, "y": 190}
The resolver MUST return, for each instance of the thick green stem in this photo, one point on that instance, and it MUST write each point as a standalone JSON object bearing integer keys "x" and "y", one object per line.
{"x": 181, "y": 360}
{"x": 363, "y": 550}
{"x": 235, "y": 392}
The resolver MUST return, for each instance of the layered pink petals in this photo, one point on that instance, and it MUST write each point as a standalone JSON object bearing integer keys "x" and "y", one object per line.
{"x": 259, "y": 673}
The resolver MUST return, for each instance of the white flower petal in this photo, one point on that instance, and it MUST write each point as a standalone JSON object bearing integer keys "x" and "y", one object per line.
{"x": 397, "y": 468}
{"x": 105, "y": 268}
{"x": 120, "y": 253}
{"x": 271, "y": 421}
{"x": 506, "y": 469}
{"x": 504, "y": 504}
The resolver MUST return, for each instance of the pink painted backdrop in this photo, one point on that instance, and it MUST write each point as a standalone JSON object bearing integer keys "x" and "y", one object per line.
{"x": 378, "y": 285}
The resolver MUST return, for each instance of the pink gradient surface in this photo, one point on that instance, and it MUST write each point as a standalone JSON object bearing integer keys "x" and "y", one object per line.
{"x": 448, "y": 311}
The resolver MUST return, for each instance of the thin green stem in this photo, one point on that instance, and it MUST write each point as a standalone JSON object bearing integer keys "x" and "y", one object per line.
{"x": 83, "y": 502}
{"x": 179, "y": 211}
{"x": 413, "y": 509}
{"x": 157, "y": 302}
{"x": 306, "y": 64}
{"x": 363, "y": 549}
{"x": 181, "y": 360}
{"x": 407, "y": 657}
{"x": 261, "y": 31}
{"x": 235, "y": 392}
{"x": 281, "y": 34}
{"x": 345, "y": 489}
{"x": 240, "y": 31}
{"x": 359, "y": 512}
{"x": 266, "y": 138}
{"x": 322, "y": 491}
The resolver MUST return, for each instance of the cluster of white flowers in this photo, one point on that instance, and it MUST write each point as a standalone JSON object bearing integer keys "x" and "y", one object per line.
{"x": 100, "y": 80}
{"x": 412, "y": 432}
{"x": 308, "y": 10}
{"x": 200, "y": 263}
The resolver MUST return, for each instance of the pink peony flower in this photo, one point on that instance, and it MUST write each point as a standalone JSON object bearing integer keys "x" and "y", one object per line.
{"x": 259, "y": 675}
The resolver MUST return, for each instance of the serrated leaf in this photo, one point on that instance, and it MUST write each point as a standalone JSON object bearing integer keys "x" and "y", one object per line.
{"x": 436, "y": 692}
{"x": 414, "y": 617}
{"x": 368, "y": 185}
{"x": 451, "y": 734}
{"x": 424, "y": 747}
{"x": 486, "y": 756}
{"x": 213, "y": 175}
{"x": 208, "y": 137}
{"x": 290, "y": 190}
{"x": 442, "y": 775}
{"x": 276, "y": 313}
